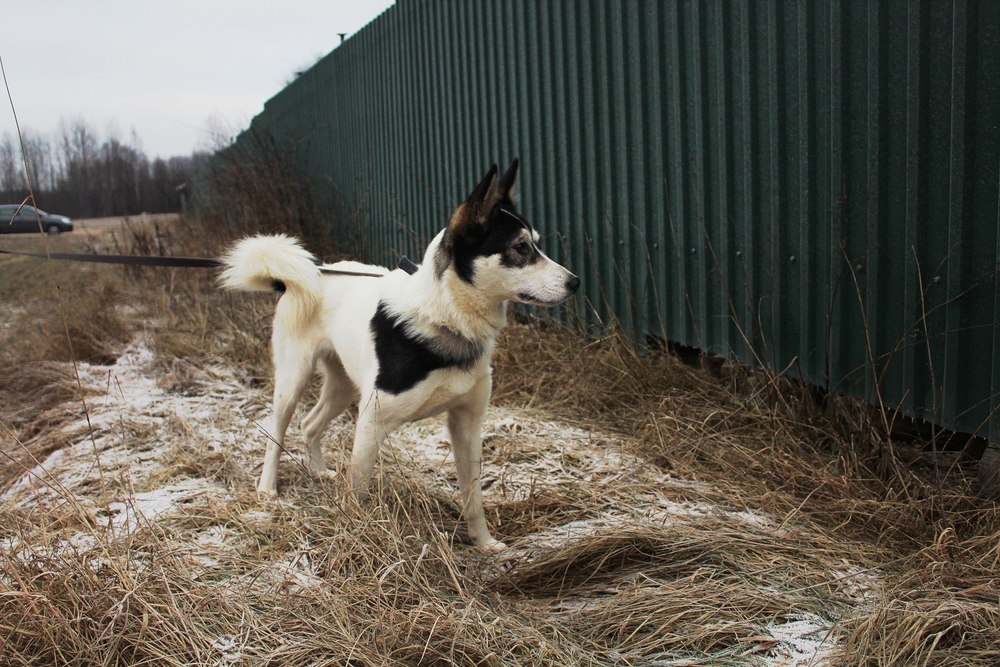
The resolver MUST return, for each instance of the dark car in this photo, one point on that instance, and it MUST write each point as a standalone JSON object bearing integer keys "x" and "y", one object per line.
{"x": 27, "y": 219}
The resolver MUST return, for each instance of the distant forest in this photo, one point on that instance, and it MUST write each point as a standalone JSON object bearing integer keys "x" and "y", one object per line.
{"x": 79, "y": 175}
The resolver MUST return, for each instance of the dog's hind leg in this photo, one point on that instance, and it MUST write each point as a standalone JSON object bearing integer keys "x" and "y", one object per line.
{"x": 336, "y": 394}
{"x": 465, "y": 424}
{"x": 292, "y": 371}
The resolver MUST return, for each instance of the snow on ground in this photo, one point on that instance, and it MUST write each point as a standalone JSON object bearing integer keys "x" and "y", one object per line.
{"x": 134, "y": 425}
{"x": 801, "y": 643}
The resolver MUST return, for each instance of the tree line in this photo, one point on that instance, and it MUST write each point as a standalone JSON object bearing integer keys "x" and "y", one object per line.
{"x": 79, "y": 174}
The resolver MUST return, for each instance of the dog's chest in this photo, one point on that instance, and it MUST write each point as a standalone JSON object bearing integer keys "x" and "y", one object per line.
{"x": 438, "y": 394}
{"x": 406, "y": 360}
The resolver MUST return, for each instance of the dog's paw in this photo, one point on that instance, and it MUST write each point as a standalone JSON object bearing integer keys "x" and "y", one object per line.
{"x": 494, "y": 546}
{"x": 325, "y": 473}
{"x": 267, "y": 492}
{"x": 319, "y": 470}
{"x": 361, "y": 494}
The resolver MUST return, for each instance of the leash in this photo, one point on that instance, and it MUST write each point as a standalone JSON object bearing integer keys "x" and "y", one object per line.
{"x": 131, "y": 260}
{"x": 180, "y": 262}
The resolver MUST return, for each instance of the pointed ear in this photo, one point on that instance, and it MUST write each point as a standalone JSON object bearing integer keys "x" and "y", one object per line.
{"x": 507, "y": 180}
{"x": 468, "y": 213}
{"x": 479, "y": 192}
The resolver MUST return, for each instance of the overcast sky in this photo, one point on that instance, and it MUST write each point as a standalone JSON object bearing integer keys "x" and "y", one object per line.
{"x": 176, "y": 72}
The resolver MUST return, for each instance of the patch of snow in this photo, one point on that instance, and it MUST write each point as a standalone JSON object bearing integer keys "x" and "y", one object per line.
{"x": 804, "y": 642}
{"x": 146, "y": 507}
{"x": 211, "y": 543}
{"x": 131, "y": 423}
{"x": 295, "y": 571}
{"x": 521, "y": 453}
{"x": 229, "y": 648}
{"x": 292, "y": 572}
{"x": 258, "y": 516}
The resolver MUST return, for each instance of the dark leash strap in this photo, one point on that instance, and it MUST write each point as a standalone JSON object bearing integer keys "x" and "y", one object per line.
{"x": 130, "y": 260}
{"x": 178, "y": 262}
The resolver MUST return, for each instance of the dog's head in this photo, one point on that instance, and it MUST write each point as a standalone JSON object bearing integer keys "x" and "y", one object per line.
{"x": 492, "y": 247}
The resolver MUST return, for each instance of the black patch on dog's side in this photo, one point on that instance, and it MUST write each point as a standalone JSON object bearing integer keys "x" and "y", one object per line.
{"x": 492, "y": 238}
{"x": 404, "y": 360}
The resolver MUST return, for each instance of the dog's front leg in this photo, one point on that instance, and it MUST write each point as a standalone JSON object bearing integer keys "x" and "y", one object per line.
{"x": 465, "y": 425}
{"x": 371, "y": 430}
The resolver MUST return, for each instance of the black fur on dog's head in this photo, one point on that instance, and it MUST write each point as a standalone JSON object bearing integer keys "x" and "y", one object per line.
{"x": 484, "y": 224}
{"x": 491, "y": 246}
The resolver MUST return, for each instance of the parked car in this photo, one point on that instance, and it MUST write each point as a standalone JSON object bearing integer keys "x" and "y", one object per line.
{"x": 13, "y": 221}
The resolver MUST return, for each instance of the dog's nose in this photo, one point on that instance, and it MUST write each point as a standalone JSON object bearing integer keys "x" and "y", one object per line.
{"x": 573, "y": 284}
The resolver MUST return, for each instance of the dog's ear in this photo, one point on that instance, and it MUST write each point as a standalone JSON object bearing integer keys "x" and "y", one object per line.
{"x": 501, "y": 190}
{"x": 506, "y": 184}
{"x": 470, "y": 214}
{"x": 479, "y": 193}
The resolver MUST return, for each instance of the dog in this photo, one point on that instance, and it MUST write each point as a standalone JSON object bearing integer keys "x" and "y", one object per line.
{"x": 404, "y": 346}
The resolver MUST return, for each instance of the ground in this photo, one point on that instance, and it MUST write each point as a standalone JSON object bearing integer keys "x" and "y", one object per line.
{"x": 142, "y": 456}
{"x": 655, "y": 513}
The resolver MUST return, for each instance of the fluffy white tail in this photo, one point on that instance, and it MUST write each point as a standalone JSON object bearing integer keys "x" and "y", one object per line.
{"x": 274, "y": 262}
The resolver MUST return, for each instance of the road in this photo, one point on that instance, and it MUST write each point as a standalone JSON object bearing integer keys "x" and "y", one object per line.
{"x": 88, "y": 235}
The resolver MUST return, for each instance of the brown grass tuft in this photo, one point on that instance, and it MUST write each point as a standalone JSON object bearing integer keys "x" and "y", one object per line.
{"x": 74, "y": 317}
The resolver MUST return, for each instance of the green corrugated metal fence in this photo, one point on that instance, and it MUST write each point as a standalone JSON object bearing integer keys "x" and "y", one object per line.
{"x": 807, "y": 184}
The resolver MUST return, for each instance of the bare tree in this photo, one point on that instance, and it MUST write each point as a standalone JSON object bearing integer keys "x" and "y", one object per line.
{"x": 38, "y": 158}
{"x": 82, "y": 175}
{"x": 11, "y": 180}
{"x": 79, "y": 147}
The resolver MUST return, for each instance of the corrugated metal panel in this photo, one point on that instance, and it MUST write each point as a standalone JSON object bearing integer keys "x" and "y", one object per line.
{"x": 809, "y": 184}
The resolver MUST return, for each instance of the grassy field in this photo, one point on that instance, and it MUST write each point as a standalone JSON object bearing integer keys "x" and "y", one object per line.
{"x": 657, "y": 513}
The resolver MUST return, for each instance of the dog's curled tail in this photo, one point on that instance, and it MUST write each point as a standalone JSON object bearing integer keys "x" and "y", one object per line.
{"x": 274, "y": 262}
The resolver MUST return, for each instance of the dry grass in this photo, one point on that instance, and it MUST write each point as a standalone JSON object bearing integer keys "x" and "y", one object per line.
{"x": 147, "y": 600}
{"x": 621, "y": 481}
{"x": 764, "y": 436}
{"x": 772, "y": 449}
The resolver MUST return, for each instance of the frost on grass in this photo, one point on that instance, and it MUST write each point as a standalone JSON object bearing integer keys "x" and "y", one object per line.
{"x": 800, "y": 642}
{"x": 113, "y": 468}
{"x": 145, "y": 455}
{"x": 527, "y": 455}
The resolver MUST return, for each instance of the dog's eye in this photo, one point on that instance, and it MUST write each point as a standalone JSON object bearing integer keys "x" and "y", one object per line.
{"x": 523, "y": 248}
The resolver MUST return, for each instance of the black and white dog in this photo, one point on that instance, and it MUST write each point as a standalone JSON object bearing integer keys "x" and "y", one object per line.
{"x": 406, "y": 346}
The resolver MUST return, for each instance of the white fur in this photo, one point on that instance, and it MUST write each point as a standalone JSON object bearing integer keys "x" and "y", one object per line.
{"x": 255, "y": 263}
{"x": 325, "y": 320}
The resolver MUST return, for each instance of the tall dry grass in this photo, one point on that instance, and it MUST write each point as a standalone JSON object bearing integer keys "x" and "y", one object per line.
{"x": 147, "y": 601}
{"x": 764, "y": 444}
